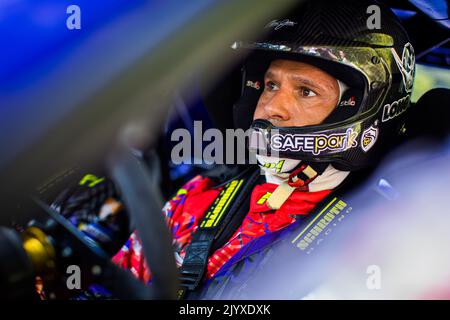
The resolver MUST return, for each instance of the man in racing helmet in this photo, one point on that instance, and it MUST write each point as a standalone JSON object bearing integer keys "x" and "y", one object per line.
{"x": 325, "y": 95}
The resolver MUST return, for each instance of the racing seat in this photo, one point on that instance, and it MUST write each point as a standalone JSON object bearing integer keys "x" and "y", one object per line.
{"x": 430, "y": 116}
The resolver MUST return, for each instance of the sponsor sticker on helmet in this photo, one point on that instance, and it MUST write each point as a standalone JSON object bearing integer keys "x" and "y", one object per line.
{"x": 253, "y": 84}
{"x": 349, "y": 102}
{"x": 406, "y": 65}
{"x": 394, "y": 109}
{"x": 315, "y": 144}
{"x": 368, "y": 138}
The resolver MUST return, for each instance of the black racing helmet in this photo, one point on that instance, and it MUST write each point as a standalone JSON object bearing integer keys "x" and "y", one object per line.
{"x": 360, "y": 43}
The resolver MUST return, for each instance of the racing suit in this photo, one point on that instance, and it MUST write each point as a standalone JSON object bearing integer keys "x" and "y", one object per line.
{"x": 260, "y": 227}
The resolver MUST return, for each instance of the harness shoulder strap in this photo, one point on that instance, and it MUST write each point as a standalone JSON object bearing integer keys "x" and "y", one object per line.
{"x": 217, "y": 225}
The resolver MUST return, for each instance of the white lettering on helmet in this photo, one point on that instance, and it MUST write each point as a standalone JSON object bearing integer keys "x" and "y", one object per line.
{"x": 394, "y": 109}
{"x": 315, "y": 144}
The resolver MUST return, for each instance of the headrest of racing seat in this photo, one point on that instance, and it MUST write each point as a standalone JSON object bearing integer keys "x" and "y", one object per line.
{"x": 219, "y": 99}
{"x": 252, "y": 82}
{"x": 430, "y": 116}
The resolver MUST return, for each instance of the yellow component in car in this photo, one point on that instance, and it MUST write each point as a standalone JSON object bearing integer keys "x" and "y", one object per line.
{"x": 39, "y": 249}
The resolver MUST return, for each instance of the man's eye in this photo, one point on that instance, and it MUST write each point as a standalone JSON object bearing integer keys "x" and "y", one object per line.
{"x": 271, "y": 86}
{"x": 305, "y": 92}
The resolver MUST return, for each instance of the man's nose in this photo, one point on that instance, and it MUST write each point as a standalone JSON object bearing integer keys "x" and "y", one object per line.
{"x": 277, "y": 108}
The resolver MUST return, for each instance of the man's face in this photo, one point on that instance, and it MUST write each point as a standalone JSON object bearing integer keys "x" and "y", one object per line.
{"x": 296, "y": 94}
